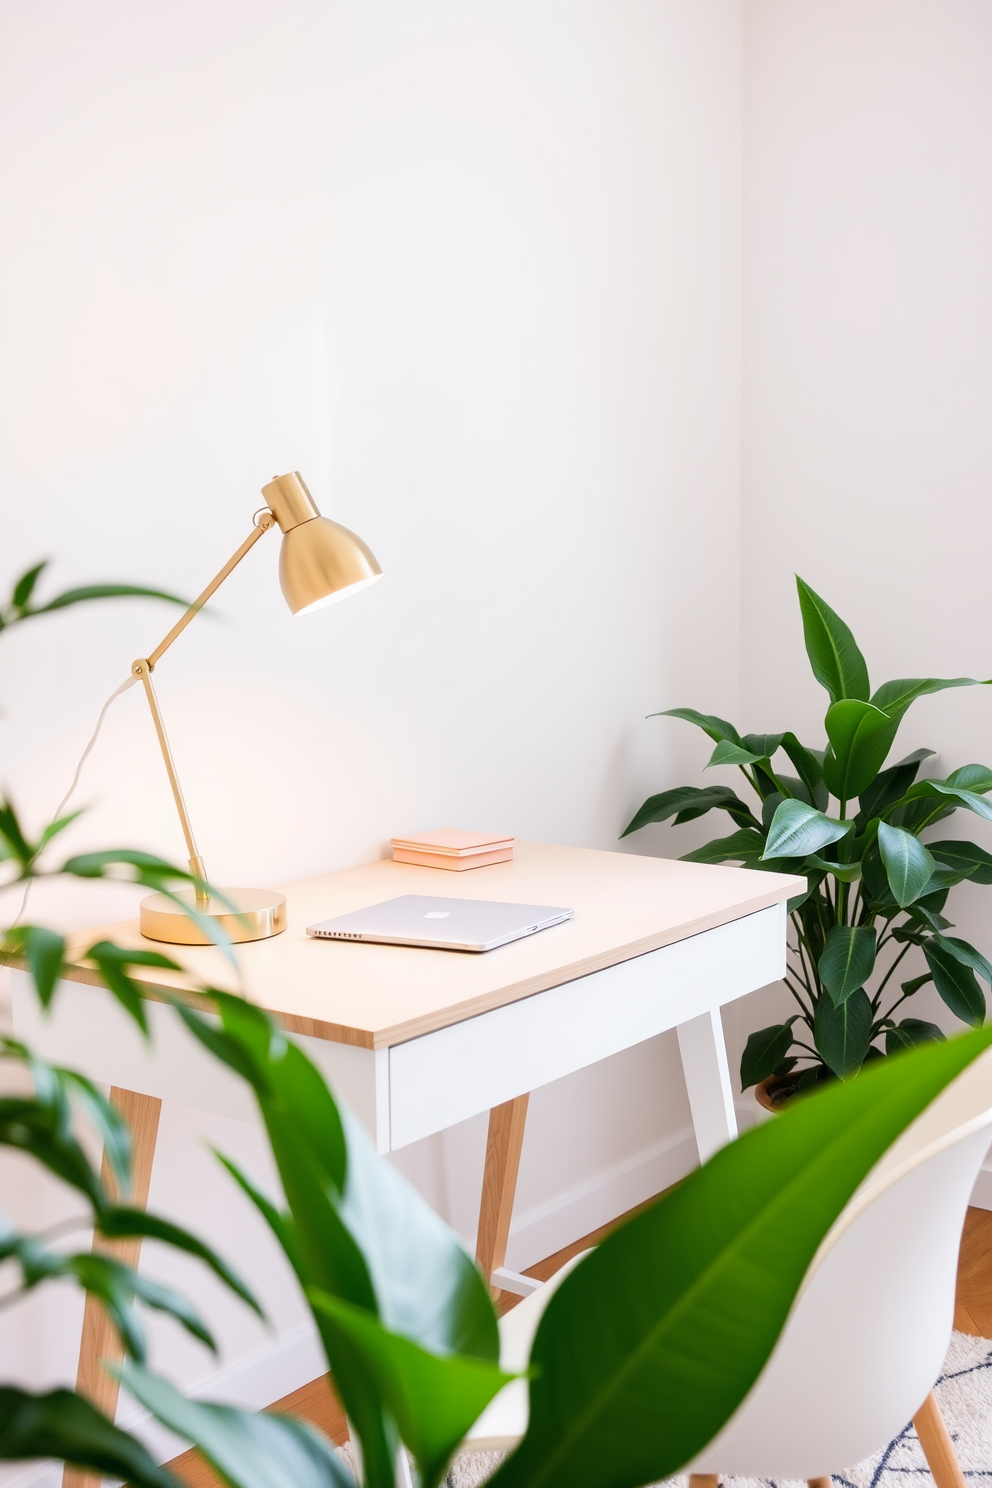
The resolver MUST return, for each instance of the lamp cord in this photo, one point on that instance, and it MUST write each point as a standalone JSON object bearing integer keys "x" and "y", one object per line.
{"x": 129, "y": 682}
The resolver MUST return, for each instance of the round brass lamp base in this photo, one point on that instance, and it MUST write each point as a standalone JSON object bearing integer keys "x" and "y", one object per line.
{"x": 258, "y": 913}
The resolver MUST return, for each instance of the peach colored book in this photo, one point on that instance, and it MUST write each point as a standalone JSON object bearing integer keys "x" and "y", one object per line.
{"x": 450, "y": 848}
{"x": 452, "y": 861}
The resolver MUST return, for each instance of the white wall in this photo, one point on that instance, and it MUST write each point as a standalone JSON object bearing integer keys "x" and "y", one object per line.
{"x": 475, "y": 270}
{"x": 868, "y": 364}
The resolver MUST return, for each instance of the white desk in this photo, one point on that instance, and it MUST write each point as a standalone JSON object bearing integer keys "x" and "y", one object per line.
{"x": 417, "y": 1040}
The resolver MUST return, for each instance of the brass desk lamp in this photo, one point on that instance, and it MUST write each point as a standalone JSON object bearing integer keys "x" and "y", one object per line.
{"x": 320, "y": 562}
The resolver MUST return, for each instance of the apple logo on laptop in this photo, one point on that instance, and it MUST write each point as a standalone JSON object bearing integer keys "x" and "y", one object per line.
{"x": 438, "y": 914}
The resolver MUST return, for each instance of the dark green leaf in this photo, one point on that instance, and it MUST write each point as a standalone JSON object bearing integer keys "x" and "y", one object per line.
{"x": 909, "y": 1032}
{"x": 845, "y": 872}
{"x": 914, "y": 984}
{"x": 977, "y": 778}
{"x": 798, "y": 829}
{"x": 652, "y": 1342}
{"x": 63, "y": 1425}
{"x": 12, "y": 834}
{"x": 716, "y": 728}
{"x": 841, "y": 1034}
{"x": 792, "y": 788}
{"x": 922, "y": 914}
{"x": 966, "y": 954}
{"x": 249, "y": 1449}
{"x": 46, "y": 1135}
{"x": 847, "y": 962}
{"x": 762, "y": 746}
{"x": 895, "y": 697}
{"x": 964, "y": 859}
{"x": 764, "y": 1052}
{"x": 24, "y": 588}
{"x": 810, "y": 769}
{"x": 955, "y": 983}
{"x": 686, "y": 802}
{"x": 814, "y": 878}
{"x": 908, "y": 865}
{"x": 729, "y": 753}
{"x": 890, "y": 786}
{"x": 43, "y": 950}
{"x": 833, "y": 653}
{"x": 744, "y": 846}
{"x": 433, "y": 1400}
{"x": 860, "y": 737}
{"x": 956, "y": 794}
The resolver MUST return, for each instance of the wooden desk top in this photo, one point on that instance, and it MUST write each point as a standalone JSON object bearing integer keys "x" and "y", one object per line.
{"x": 378, "y": 995}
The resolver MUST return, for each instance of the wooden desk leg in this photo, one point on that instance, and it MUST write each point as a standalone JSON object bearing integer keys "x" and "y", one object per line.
{"x": 707, "y": 1080}
{"x": 499, "y": 1181}
{"x": 99, "y": 1340}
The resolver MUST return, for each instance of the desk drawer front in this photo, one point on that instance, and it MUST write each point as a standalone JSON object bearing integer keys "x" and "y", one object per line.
{"x": 472, "y": 1066}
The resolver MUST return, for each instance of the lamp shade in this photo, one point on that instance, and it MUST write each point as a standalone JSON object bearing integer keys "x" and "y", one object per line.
{"x": 320, "y": 561}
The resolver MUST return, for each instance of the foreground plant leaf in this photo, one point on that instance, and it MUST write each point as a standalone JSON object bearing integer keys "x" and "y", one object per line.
{"x": 649, "y": 1346}
{"x": 63, "y": 1425}
{"x": 433, "y": 1399}
{"x": 249, "y": 1449}
{"x": 357, "y": 1231}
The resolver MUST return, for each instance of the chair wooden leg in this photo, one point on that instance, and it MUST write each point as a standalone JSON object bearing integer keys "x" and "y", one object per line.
{"x": 499, "y": 1182}
{"x": 938, "y": 1449}
{"x": 818, "y": 1482}
{"x": 99, "y": 1341}
{"x": 703, "y": 1480}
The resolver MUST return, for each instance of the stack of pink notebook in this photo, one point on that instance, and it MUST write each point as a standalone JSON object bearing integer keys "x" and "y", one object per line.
{"x": 449, "y": 848}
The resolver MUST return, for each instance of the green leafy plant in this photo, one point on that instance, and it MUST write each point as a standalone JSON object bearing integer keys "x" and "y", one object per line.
{"x": 875, "y": 890}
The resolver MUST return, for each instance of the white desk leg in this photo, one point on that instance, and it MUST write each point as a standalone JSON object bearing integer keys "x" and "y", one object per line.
{"x": 707, "y": 1080}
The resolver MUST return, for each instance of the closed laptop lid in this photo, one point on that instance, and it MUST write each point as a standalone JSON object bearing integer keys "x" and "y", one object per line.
{"x": 444, "y": 924}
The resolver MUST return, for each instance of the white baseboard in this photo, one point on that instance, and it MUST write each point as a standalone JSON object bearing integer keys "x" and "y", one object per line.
{"x": 540, "y": 1231}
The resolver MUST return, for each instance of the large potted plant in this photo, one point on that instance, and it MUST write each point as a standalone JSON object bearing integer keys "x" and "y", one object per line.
{"x": 875, "y": 890}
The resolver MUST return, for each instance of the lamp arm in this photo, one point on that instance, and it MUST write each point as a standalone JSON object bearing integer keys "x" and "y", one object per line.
{"x": 145, "y": 665}
{"x": 265, "y": 522}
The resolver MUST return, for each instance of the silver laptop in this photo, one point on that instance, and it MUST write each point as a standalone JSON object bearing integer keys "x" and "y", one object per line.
{"x": 443, "y": 924}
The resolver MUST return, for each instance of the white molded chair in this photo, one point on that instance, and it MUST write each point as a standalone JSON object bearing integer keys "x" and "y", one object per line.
{"x": 867, "y": 1333}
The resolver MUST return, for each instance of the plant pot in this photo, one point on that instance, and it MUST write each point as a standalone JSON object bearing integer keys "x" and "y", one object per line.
{"x": 777, "y": 1091}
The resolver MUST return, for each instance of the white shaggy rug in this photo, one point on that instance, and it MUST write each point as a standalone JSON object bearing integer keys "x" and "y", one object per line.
{"x": 964, "y": 1393}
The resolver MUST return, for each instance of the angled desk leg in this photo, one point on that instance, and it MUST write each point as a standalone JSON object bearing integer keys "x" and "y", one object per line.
{"x": 499, "y": 1182}
{"x": 707, "y": 1080}
{"x": 99, "y": 1340}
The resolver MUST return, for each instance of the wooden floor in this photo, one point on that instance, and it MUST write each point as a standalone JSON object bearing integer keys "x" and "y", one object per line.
{"x": 318, "y": 1403}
